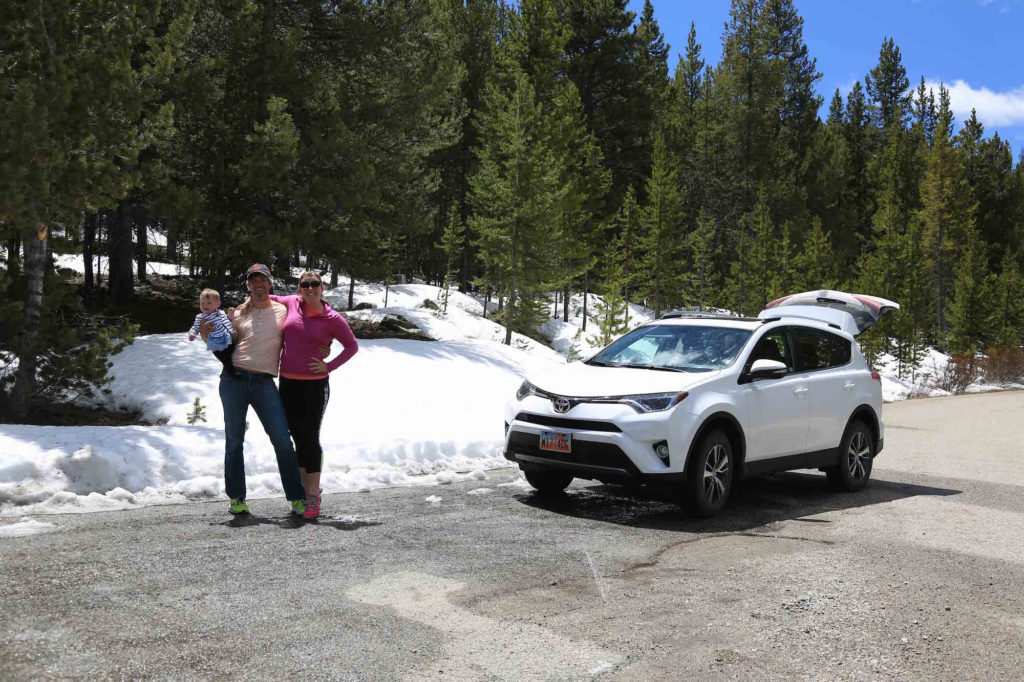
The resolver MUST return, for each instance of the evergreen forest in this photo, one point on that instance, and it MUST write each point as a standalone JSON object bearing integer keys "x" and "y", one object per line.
{"x": 513, "y": 150}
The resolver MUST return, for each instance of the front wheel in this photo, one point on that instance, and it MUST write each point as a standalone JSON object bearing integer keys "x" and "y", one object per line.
{"x": 856, "y": 453}
{"x": 709, "y": 475}
{"x": 548, "y": 482}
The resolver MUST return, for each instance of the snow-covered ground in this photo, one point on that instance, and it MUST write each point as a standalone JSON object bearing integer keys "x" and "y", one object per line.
{"x": 401, "y": 412}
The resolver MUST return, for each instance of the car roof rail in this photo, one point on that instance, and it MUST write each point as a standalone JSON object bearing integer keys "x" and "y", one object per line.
{"x": 704, "y": 314}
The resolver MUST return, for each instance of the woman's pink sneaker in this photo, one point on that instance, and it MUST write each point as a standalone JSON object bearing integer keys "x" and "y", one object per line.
{"x": 312, "y": 506}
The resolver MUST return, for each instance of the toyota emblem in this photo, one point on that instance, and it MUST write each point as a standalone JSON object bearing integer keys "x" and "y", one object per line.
{"x": 561, "y": 404}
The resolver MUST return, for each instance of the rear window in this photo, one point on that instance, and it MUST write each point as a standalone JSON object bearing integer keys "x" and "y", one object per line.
{"x": 818, "y": 349}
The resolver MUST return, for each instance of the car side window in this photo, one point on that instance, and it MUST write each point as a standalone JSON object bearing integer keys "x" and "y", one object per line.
{"x": 774, "y": 345}
{"x": 818, "y": 349}
{"x": 841, "y": 352}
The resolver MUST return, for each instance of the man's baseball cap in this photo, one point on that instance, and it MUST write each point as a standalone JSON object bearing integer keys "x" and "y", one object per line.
{"x": 258, "y": 269}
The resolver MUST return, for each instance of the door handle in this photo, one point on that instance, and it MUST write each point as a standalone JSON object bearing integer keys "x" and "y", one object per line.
{"x": 849, "y": 387}
{"x": 800, "y": 391}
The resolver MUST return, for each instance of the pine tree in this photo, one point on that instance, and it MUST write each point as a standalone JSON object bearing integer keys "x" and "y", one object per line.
{"x": 661, "y": 241}
{"x": 79, "y": 105}
{"x": 626, "y": 227}
{"x": 704, "y": 249}
{"x": 516, "y": 197}
{"x": 814, "y": 263}
{"x": 947, "y": 211}
{"x": 451, "y": 245}
{"x": 1008, "y": 304}
{"x": 753, "y": 269}
{"x": 612, "y": 309}
{"x": 887, "y": 85}
{"x": 969, "y": 310}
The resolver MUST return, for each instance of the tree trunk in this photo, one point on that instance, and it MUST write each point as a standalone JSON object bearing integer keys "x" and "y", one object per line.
{"x": 334, "y": 275}
{"x": 487, "y": 301}
{"x": 141, "y": 244}
{"x": 88, "y": 247}
{"x": 28, "y": 340}
{"x": 13, "y": 256}
{"x": 565, "y": 304}
{"x": 586, "y": 285}
{"x": 120, "y": 282}
{"x": 171, "y": 252}
{"x": 101, "y": 218}
{"x": 351, "y": 290}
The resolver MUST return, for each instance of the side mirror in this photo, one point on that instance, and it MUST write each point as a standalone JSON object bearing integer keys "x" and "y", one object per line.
{"x": 767, "y": 369}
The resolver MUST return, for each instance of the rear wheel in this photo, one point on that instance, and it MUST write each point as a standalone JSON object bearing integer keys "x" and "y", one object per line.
{"x": 548, "y": 482}
{"x": 856, "y": 453}
{"x": 709, "y": 475}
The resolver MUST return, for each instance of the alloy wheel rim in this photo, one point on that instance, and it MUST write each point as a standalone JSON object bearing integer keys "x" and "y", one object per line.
{"x": 858, "y": 456}
{"x": 716, "y": 470}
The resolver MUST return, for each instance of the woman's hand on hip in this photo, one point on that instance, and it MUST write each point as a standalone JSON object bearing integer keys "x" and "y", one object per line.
{"x": 317, "y": 366}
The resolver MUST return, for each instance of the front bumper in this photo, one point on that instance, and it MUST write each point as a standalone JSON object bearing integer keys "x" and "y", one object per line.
{"x": 610, "y": 443}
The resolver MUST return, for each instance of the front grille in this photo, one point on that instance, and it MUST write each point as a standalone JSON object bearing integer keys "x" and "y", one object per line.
{"x": 587, "y": 453}
{"x": 565, "y": 423}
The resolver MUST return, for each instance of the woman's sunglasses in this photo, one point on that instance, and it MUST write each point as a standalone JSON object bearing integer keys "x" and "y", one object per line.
{"x": 310, "y": 285}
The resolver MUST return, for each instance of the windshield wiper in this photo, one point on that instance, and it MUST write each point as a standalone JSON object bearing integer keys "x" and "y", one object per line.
{"x": 665, "y": 369}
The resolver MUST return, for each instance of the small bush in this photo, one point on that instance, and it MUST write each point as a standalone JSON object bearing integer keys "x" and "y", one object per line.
{"x": 1002, "y": 366}
{"x": 959, "y": 373}
{"x": 198, "y": 413}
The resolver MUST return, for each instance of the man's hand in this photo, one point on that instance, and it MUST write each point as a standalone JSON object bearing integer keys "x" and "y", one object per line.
{"x": 317, "y": 366}
{"x": 205, "y": 329}
{"x": 191, "y": 336}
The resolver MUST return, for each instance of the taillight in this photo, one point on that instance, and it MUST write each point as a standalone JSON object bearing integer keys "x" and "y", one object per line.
{"x": 876, "y": 376}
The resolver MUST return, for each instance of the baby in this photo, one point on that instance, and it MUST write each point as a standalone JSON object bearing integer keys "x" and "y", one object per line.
{"x": 219, "y": 340}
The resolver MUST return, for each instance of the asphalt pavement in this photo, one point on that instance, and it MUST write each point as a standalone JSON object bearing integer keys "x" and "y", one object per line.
{"x": 920, "y": 576}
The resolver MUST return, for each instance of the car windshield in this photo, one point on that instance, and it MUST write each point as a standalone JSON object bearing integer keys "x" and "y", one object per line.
{"x": 681, "y": 348}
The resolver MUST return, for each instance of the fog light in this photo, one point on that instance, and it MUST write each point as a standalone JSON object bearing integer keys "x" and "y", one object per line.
{"x": 661, "y": 449}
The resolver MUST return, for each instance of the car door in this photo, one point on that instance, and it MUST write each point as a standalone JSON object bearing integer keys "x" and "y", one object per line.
{"x": 777, "y": 409}
{"x": 824, "y": 359}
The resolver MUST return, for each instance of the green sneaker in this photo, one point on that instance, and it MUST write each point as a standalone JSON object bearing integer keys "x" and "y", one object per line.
{"x": 298, "y": 507}
{"x": 238, "y": 507}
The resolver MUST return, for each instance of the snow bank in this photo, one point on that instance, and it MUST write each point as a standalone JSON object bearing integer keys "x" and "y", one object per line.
{"x": 401, "y": 412}
{"x": 25, "y": 526}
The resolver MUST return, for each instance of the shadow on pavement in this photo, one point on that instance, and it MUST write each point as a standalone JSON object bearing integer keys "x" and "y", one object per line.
{"x": 290, "y": 521}
{"x": 293, "y": 521}
{"x": 754, "y": 503}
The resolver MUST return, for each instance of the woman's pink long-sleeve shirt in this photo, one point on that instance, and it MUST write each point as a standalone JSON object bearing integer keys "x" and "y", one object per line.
{"x": 303, "y": 335}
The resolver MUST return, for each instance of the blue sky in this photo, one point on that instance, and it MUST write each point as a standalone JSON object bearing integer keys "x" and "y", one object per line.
{"x": 974, "y": 46}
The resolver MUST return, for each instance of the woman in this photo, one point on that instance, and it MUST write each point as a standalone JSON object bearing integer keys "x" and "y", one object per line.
{"x": 309, "y": 327}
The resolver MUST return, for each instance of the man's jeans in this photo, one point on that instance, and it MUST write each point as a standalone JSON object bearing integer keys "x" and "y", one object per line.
{"x": 236, "y": 395}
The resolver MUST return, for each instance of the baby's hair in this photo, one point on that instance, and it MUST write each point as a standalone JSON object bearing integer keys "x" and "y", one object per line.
{"x": 209, "y": 293}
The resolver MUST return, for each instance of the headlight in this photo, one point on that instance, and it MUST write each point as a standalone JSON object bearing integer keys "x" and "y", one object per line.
{"x": 526, "y": 389}
{"x": 653, "y": 402}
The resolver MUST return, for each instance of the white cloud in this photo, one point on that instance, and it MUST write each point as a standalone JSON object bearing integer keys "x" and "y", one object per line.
{"x": 1004, "y": 108}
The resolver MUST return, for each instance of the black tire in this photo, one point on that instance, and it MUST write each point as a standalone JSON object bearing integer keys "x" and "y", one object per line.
{"x": 856, "y": 453}
{"x": 548, "y": 482}
{"x": 709, "y": 475}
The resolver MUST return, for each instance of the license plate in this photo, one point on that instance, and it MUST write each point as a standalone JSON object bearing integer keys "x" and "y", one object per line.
{"x": 556, "y": 441}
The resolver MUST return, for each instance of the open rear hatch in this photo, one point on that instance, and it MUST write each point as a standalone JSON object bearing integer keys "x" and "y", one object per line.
{"x": 853, "y": 313}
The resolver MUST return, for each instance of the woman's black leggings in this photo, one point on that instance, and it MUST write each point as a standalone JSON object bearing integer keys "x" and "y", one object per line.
{"x": 305, "y": 402}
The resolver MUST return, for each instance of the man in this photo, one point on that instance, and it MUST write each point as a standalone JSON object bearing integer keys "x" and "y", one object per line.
{"x": 257, "y": 358}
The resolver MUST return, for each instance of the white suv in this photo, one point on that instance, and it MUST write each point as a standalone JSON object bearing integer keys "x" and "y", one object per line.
{"x": 699, "y": 400}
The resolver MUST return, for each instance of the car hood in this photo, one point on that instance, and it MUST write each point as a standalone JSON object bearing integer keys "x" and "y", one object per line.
{"x": 587, "y": 381}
